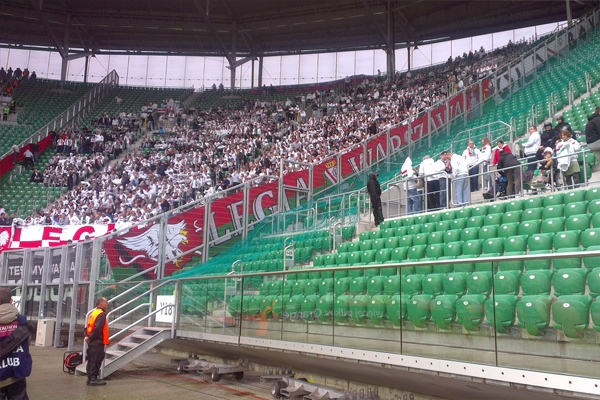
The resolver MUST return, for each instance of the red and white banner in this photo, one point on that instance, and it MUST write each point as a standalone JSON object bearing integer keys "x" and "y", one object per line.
{"x": 35, "y": 236}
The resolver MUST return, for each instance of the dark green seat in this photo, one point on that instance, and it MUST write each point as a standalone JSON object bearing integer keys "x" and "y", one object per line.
{"x": 569, "y": 262}
{"x": 376, "y": 308}
{"x": 488, "y": 232}
{"x": 479, "y": 283}
{"x": 412, "y": 284}
{"x": 536, "y": 282}
{"x": 515, "y": 265}
{"x": 507, "y": 230}
{"x": 569, "y": 281}
{"x": 391, "y": 285}
{"x": 516, "y": 243}
{"x": 470, "y": 311}
{"x": 418, "y": 310}
{"x": 500, "y": 311}
{"x": 358, "y": 308}
{"x": 455, "y": 283}
{"x": 341, "y": 308}
{"x": 324, "y": 308}
{"x": 358, "y": 285}
{"x": 507, "y": 282}
{"x": 533, "y": 313}
{"x": 445, "y": 267}
{"x": 443, "y": 310}
{"x": 553, "y": 225}
{"x": 375, "y": 285}
{"x": 433, "y": 284}
{"x": 571, "y": 314}
{"x": 396, "y": 308}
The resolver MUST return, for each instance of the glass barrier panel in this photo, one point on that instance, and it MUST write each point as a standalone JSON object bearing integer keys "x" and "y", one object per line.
{"x": 551, "y": 322}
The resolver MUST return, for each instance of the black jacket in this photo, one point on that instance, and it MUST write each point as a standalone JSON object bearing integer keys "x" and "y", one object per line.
{"x": 592, "y": 128}
{"x": 374, "y": 188}
{"x": 507, "y": 160}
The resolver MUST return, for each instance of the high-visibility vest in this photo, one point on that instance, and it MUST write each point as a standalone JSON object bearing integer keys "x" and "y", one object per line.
{"x": 92, "y": 323}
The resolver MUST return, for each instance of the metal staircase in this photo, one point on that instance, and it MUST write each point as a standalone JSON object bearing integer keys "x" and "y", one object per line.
{"x": 129, "y": 348}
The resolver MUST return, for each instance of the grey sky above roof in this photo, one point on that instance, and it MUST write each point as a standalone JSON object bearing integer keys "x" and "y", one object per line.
{"x": 251, "y": 28}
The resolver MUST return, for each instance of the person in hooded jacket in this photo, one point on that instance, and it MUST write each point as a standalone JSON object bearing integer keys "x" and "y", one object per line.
{"x": 15, "y": 360}
{"x": 509, "y": 166}
{"x": 592, "y": 132}
{"x": 374, "y": 190}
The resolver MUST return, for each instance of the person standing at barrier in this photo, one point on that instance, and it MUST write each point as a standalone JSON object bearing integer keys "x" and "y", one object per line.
{"x": 592, "y": 133}
{"x": 509, "y": 166}
{"x": 531, "y": 147}
{"x": 485, "y": 156}
{"x": 97, "y": 337}
{"x": 471, "y": 155}
{"x": 374, "y": 190}
{"x": 428, "y": 172}
{"x": 460, "y": 171}
{"x": 15, "y": 360}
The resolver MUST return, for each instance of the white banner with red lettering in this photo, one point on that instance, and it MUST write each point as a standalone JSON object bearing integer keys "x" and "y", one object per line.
{"x": 35, "y": 236}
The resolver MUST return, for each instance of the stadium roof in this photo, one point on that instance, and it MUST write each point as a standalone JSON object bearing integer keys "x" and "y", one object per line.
{"x": 251, "y": 28}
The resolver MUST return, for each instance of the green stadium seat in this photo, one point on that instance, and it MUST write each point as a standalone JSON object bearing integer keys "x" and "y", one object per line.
{"x": 501, "y": 312}
{"x": 516, "y": 243}
{"x": 507, "y": 282}
{"x": 406, "y": 241}
{"x": 571, "y": 314}
{"x": 461, "y": 223}
{"x": 341, "y": 308}
{"x": 569, "y": 262}
{"x": 507, "y": 230}
{"x": 326, "y": 286}
{"x": 594, "y": 206}
{"x": 479, "y": 283}
{"x": 514, "y": 205}
{"x": 464, "y": 213}
{"x": 428, "y": 227}
{"x": 532, "y": 214}
{"x": 446, "y": 266}
{"x": 455, "y": 283}
{"x": 377, "y": 308}
{"x": 574, "y": 196}
{"x": 569, "y": 281}
{"x": 392, "y": 285}
{"x": 418, "y": 310}
{"x": 595, "y": 220}
{"x": 472, "y": 247}
{"x": 435, "y": 250}
{"x": 536, "y": 282}
{"x": 396, "y": 309}
{"x": 358, "y": 285}
{"x": 492, "y": 219}
{"x": 482, "y": 210}
{"x": 433, "y": 284}
{"x": 529, "y": 228}
{"x": 375, "y": 285}
{"x": 452, "y": 235}
{"x": 513, "y": 265}
{"x": 358, "y": 308}
{"x": 592, "y": 194}
{"x": 591, "y": 262}
{"x": 416, "y": 252}
{"x": 565, "y": 239}
{"x": 554, "y": 199}
{"x": 292, "y": 305}
{"x": 488, "y": 232}
{"x": 452, "y": 249}
{"x": 312, "y": 286}
{"x": 324, "y": 308}
{"x": 541, "y": 263}
{"x": 412, "y": 284}
{"x": 342, "y": 286}
{"x": 392, "y": 242}
{"x": 494, "y": 245}
{"x": 512, "y": 216}
{"x": 590, "y": 237}
{"x": 424, "y": 267}
{"x": 469, "y": 234}
{"x": 497, "y": 208}
{"x": 533, "y": 202}
{"x": 435, "y": 238}
{"x": 464, "y": 267}
{"x": 540, "y": 241}
{"x": 553, "y": 211}
{"x": 470, "y": 311}
{"x": 443, "y": 310}
{"x": 533, "y": 313}
{"x": 553, "y": 225}
{"x": 579, "y": 207}
{"x": 475, "y": 222}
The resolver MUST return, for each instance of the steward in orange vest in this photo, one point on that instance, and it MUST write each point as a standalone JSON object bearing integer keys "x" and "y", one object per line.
{"x": 96, "y": 336}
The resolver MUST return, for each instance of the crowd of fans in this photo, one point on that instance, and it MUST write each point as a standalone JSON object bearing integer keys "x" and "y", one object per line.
{"x": 217, "y": 149}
